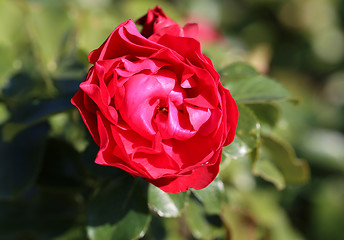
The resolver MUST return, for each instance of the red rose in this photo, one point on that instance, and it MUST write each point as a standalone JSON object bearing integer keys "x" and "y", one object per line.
{"x": 155, "y": 105}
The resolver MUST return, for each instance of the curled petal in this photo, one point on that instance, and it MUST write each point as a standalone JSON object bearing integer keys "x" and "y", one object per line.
{"x": 198, "y": 116}
{"x": 142, "y": 94}
{"x": 174, "y": 124}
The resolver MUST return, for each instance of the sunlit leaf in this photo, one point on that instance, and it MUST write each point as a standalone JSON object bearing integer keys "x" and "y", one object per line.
{"x": 236, "y": 72}
{"x": 212, "y": 196}
{"x": 247, "y": 86}
{"x": 247, "y": 133}
{"x": 257, "y": 89}
{"x": 166, "y": 204}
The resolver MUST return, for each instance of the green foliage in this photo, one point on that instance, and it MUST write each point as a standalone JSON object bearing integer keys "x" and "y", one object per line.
{"x": 212, "y": 196}
{"x": 118, "y": 211}
{"x": 50, "y": 187}
{"x": 166, "y": 204}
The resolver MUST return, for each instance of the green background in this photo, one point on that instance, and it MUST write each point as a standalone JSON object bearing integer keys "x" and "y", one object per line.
{"x": 282, "y": 177}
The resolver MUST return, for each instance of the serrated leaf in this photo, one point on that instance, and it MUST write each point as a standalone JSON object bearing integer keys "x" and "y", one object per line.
{"x": 212, "y": 196}
{"x": 118, "y": 211}
{"x": 166, "y": 204}
{"x": 247, "y": 133}
{"x": 284, "y": 163}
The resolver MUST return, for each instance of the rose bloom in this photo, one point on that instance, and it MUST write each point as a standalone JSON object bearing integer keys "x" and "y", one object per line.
{"x": 155, "y": 105}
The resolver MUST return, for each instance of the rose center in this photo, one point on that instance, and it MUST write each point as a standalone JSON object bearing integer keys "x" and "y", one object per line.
{"x": 162, "y": 109}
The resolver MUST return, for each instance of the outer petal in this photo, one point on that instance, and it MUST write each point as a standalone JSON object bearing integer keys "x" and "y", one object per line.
{"x": 232, "y": 114}
{"x": 123, "y": 40}
{"x": 89, "y": 118}
{"x": 199, "y": 178}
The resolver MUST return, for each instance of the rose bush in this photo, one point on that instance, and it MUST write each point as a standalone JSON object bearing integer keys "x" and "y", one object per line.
{"x": 155, "y": 105}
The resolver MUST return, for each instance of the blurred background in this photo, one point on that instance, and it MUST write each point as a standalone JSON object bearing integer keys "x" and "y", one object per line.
{"x": 44, "y": 44}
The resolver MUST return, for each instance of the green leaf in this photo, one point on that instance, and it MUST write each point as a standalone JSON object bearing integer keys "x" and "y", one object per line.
{"x": 32, "y": 113}
{"x": 268, "y": 171}
{"x": 203, "y": 226}
{"x": 281, "y": 162}
{"x": 237, "y": 71}
{"x": 247, "y": 86}
{"x": 247, "y": 133}
{"x": 118, "y": 211}
{"x": 257, "y": 89}
{"x": 21, "y": 160}
{"x": 166, "y": 204}
{"x": 212, "y": 196}
{"x": 267, "y": 113}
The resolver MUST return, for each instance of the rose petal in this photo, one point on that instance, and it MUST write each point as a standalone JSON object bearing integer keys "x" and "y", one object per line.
{"x": 125, "y": 38}
{"x": 232, "y": 118}
{"x": 142, "y": 94}
{"x": 192, "y": 152}
{"x": 89, "y": 118}
{"x": 198, "y": 179}
{"x": 154, "y": 21}
{"x": 175, "y": 125}
{"x": 198, "y": 116}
